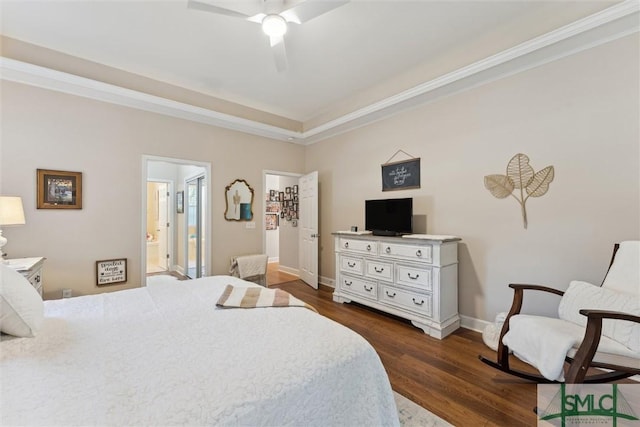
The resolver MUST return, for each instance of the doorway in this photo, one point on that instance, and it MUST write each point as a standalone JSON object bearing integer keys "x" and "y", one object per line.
{"x": 292, "y": 244}
{"x": 280, "y": 237}
{"x": 175, "y": 174}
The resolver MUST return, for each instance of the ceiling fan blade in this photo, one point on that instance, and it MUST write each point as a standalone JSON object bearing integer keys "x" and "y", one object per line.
{"x": 207, "y": 7}
{"x": 257, "y": 18}
{"x": 279, "y": 53}
{"x": 309, "y": 9}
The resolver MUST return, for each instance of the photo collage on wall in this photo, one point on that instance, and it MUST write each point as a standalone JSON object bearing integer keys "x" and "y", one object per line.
{"x": 282, "y": 205}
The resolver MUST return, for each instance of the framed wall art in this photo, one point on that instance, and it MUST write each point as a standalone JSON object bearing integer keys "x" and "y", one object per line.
{"x": 180, "y": 202}
{"x": 111, "y": 271}
{"x": 59, "y": 189}
{"x": 271, "y": 221}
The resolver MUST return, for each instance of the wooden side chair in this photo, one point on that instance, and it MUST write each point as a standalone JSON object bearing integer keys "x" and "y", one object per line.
{"x": 597, "y": 327}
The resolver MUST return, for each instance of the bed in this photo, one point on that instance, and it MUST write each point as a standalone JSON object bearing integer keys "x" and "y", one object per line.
{"x": 166, "y": 355}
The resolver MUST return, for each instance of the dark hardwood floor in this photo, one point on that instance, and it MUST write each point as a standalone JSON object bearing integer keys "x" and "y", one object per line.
{"x": 444, "y": 376}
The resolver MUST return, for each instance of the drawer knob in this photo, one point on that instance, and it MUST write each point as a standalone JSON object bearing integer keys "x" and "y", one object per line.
{"x": 38, "y": 278}
{"x": 390, "y": 295}
{"x": 413, "y": 277}
{"x": 346, "y": 245}
{"x": 369, "y": 247}
{"x": 347, "y": 283}
{"x": 367, "y": 288}
{"x": 418, "y": 253}
{"x": 351, "y": 264}
{"x": 388, "y": 250}
{"x": 416, "y": 302}
{"x": 378, "y": 270}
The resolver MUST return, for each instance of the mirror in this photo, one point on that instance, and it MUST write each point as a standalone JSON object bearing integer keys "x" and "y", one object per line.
{"x": 239, "y": 197}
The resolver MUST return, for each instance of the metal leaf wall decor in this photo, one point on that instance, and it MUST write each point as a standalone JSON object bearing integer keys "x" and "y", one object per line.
{"x": 520, "y": 176}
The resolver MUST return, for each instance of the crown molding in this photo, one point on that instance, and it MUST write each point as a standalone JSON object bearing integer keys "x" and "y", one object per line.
{"x": 46, "y": 78}
{"x": 610, "y": 24}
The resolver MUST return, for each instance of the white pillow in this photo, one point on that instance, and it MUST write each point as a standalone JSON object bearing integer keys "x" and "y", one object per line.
{"x": 583, "y": 295}
{"x": 21, "y": 308}
{"x": 624, "y": 274}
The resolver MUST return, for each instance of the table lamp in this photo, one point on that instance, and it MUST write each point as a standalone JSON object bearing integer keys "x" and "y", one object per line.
{"x": 11, "y": 213}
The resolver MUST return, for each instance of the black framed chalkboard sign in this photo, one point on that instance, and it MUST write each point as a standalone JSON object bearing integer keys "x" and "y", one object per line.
{"x": 402, "y": 175}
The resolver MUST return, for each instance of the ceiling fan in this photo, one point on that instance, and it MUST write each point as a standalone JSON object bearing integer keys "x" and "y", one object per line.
{"x": 273, "y": 15}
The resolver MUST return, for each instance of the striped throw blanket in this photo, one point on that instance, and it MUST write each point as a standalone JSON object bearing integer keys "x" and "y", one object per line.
{"x": 242, "y": 297}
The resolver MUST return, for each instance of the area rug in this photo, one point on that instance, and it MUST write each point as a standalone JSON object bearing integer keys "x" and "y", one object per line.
{"x": 413, "y": 415}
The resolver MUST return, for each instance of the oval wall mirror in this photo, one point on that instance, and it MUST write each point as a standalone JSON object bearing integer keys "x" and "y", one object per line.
{"x": 239, "y": 197}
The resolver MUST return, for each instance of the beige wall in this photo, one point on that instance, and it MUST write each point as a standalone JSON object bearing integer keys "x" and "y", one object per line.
{"x": 45, "y": 129}
{"x": 579, "y": 114}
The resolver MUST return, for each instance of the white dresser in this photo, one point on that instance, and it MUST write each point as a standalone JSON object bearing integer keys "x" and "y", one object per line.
{"x": 415, "y": 278}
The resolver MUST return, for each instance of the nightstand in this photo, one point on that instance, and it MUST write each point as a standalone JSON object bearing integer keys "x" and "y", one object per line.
{"x": 31, "y": 268}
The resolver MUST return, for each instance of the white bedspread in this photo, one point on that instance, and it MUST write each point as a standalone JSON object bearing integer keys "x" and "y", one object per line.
{"x": 165, "y": 355}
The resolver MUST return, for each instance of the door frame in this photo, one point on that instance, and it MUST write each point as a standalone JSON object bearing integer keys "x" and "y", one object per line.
{"x": 185, "y": 242}
{"x": 146, "y": 158}
{"x": 266, "y": 172}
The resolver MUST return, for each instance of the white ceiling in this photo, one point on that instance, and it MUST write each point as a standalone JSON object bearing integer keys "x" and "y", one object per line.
{"x": 348, "y": 54}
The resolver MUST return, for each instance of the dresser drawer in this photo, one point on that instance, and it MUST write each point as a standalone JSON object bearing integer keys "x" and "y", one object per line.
{"x": 351, "y": 264}
{"x": 364, "y": 246}
{"x": 358, "y": 286}
{"x": 36, "y": 281}
{"x": 417, "y": 277}
{"x": 409, "y": 252}
{"x": 379, "y": 270}
{"x": 419, "y": 303}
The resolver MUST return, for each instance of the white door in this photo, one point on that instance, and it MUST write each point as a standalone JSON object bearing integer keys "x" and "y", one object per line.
{"x": 157, "y": 226}
{"x": 308, "y": 234}
{"x": 162, "y": 225}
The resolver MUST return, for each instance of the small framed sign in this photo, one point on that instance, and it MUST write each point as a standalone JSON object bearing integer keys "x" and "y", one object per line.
{"x": 402, "y": 175}
{"x": 111, "y": 271}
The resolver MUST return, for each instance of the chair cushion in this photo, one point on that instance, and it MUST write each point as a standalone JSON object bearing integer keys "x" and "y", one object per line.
{"x": 583, "y": 295}
{"x": 624, "y": 274}
{"x": 21, "y": 308}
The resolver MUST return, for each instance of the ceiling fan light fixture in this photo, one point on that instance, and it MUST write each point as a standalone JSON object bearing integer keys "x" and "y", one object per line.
{"x": 274, "y": 25}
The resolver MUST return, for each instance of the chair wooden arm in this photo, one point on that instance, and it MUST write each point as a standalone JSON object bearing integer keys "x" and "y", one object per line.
{"x": 516, "y": 306}
{"x": 584, "y": 356}
{"x": 605, "y": 314}
{"x": 518, "y": 286}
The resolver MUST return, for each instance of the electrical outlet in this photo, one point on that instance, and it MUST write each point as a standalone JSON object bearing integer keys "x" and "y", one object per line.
{"x": 67, "y": 293}
{"x": 251, "y": 224}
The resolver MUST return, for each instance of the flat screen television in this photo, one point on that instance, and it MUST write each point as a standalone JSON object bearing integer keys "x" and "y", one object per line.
{"x": 389, "y": 217}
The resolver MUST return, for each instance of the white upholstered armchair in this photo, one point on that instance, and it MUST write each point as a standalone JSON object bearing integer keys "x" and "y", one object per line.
{"x": 597, "y": 327}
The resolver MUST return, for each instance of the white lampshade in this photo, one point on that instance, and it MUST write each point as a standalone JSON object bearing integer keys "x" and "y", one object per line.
{"x": 274, "y": 25}
{"x": 11, "y": 211}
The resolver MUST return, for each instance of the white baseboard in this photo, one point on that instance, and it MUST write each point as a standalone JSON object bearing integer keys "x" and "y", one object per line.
{"x": 289, "y": 270}
{"x": 327, "y": 281}
{"x": 178, "y": 269}
{"x": 274, "y": 259}
{"x": 473, "y": 323}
